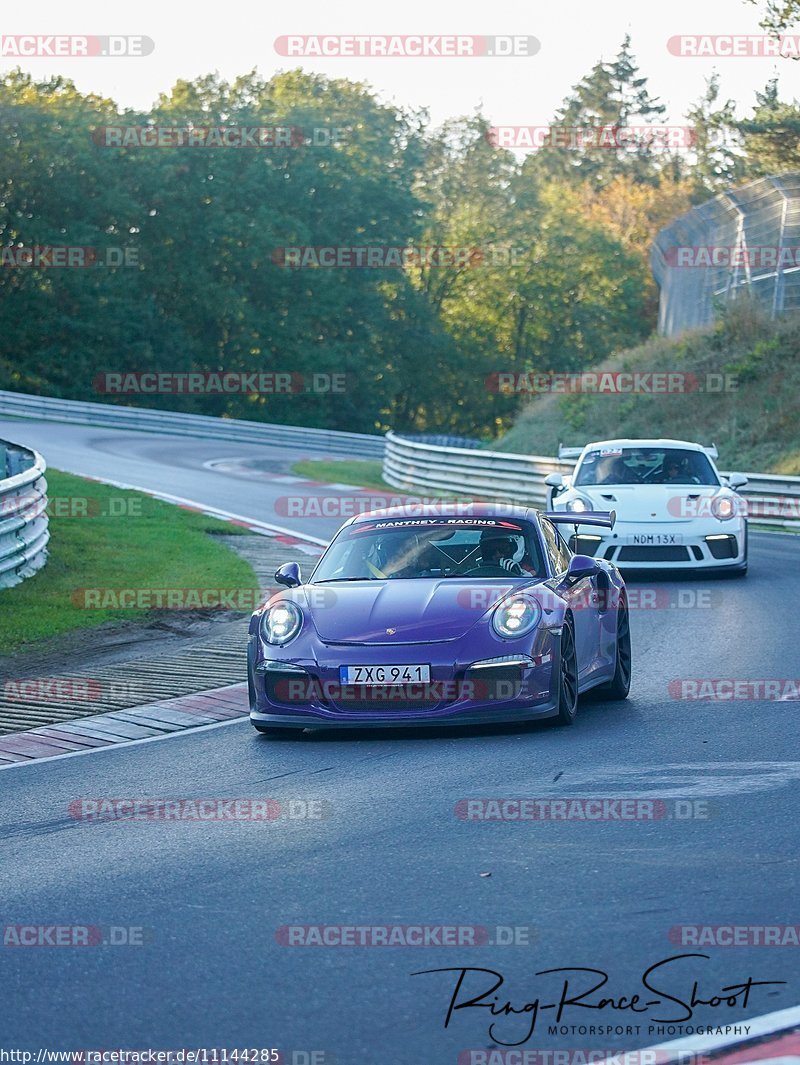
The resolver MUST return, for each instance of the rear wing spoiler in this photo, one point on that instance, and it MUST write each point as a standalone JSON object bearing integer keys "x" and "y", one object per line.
{"x": 569, "y": 452}
{"x": 711, "y": 451}
{"x": 603, "y": 518}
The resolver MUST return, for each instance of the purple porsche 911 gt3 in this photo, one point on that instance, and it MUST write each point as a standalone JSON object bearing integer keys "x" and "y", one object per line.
{"x": 440, "y": 617}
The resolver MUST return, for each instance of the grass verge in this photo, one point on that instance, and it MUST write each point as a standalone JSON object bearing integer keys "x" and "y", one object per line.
{"x": 753, "y": 421}
{"x": 107, "y": 539}
{"x": 365, "y": 475}
{"x": 343, "y": 471}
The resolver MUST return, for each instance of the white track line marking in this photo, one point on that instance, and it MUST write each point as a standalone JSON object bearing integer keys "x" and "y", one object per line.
{"x": 209, "y": 464}
{"x": 767, "y": 1024}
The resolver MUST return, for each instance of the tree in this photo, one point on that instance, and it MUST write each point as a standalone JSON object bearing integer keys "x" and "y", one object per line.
{"x": 58, "y": 189}
{"x": 633, "y": 213}
{"x": 612, "y": 97}
{"x": 207, "y": 225}
{"x": 778, "y": 15}
{"x": 718, "y": 149}
{"x": 567, "y": 296}
{"x": 549, "y": 275}
{"x": 771, "y": 137}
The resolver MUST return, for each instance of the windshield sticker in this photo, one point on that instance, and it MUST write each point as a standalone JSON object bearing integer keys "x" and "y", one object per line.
{"x": 429, "y": 523}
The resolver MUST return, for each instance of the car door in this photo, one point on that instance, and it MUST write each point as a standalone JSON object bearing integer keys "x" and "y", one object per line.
{"x": 582, "y": 597}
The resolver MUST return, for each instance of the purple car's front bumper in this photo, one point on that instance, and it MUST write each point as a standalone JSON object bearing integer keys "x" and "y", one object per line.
{"x": 301, "y": 692}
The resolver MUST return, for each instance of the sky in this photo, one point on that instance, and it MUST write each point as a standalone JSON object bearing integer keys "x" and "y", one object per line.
{"x": 234, "y": 37}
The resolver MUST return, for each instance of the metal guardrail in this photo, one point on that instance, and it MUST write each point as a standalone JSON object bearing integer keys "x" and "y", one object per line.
{"x": 772, "y": 498}
{"x": 444, "y": 440}
{"x": 415, "y": 466}
{"x": 175, "y": 423}
{"x": 24, "y": 532}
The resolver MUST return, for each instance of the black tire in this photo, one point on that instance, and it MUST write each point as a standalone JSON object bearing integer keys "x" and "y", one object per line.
{"x": 567, "y": 676}
{"x": 620, "y": 684}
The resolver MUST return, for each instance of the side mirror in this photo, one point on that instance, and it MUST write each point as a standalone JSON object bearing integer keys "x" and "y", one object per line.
{"x": 737, "y": 480}
{"x": 581, "y": 566}
{"x": 289, "y": 575}
{"x": 554, "y": 480}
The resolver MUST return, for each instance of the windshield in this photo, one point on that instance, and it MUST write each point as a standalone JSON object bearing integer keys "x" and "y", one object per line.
{"x": 432, "y": 548}
{"x": 645, "y": 465}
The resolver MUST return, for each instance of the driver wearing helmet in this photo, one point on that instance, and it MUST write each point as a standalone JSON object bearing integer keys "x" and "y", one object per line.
{"x": 675, "y": 469}
{"x": 605, "y": 471}
{"x": 392, "y": 557}
{"x": 498, "y": 549}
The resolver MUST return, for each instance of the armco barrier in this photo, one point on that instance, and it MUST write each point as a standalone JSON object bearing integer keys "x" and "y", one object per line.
{"x": 174, "y": 423}
{"x": 417, "y": 466}
{"x": 23, "y": 513}
{"x": 408, "y": 463}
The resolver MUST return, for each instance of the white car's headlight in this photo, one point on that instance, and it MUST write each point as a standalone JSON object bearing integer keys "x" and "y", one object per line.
{"x": 281, "y": 623}
{"x": 723, "y": 508}
{"x": 577, "y": 506}
{"x": 516, "y": 616}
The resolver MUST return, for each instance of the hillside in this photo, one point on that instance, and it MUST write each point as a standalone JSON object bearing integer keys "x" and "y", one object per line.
{"x": 755, "y": 425}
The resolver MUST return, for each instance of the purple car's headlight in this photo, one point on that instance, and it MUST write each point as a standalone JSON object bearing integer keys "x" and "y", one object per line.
{"x": 281, "y": 623}
{"x": 516, "y": 616}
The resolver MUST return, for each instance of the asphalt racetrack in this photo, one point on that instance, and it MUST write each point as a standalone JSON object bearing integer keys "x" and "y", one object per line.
{"x": 371, "y": 835}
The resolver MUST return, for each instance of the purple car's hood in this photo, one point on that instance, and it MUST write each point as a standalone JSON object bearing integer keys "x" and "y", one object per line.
{"x": 402, "y": 611}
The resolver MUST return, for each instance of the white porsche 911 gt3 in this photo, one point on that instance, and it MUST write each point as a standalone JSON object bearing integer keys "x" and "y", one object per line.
{"x": 674, "y": 509}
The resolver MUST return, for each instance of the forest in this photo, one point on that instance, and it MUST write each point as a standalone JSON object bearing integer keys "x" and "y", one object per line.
{"x": 300, "y": 226}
